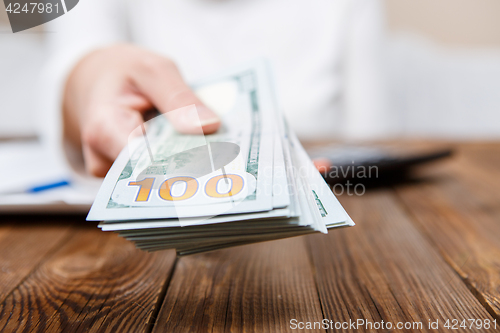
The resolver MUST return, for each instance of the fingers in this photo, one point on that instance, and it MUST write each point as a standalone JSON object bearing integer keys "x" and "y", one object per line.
{"x": 96, "y": 164}
{"x": 106, "y": 134}
{"x": 160, "y": 81}
{"x": 193, "y": 119}
{"x": 115, "y": 87}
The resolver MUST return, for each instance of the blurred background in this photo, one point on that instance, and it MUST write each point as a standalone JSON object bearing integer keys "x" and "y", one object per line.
{"x": 441, "y": 68}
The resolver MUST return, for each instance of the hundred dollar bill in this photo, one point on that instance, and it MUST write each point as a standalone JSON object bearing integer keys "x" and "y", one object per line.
{"x": 250, "y": 182}
{"x": 323, "y": 201}
{"x": 156, "y": 176}
{"x": 320, "y": 211}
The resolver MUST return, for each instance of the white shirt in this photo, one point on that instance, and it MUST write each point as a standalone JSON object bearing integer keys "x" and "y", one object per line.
{"x": 324, "y": 52}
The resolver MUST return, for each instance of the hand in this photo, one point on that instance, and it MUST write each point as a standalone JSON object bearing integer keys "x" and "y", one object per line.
{"x": 108, "y": 92}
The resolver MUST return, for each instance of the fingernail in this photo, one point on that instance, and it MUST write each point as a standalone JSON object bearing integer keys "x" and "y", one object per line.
{"x": 207, "y": 116}
{"x": 210, "y": 121}
{"x": 188, "y": 115}
{"x": 194, "y": 119}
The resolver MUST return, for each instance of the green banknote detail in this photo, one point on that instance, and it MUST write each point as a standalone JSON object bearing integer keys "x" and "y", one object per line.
{"x": 321, "y": 208}
{"x": 181, "y": 142}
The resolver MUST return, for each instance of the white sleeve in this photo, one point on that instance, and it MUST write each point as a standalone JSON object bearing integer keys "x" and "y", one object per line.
{"x": 89, "y": 25}
{"x": 365, "y": 107}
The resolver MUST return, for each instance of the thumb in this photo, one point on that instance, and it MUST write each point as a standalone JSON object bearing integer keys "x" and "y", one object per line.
{"x": 160, "y": 81}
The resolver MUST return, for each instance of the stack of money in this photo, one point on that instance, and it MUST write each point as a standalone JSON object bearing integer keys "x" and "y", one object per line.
{"x": 249, "y": 182}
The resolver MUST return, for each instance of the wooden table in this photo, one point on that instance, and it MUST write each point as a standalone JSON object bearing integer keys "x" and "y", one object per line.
{"x": 428, "y": 250}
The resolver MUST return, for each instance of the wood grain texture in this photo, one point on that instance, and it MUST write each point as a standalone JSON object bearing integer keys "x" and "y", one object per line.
{"x": 458, "y": 209}
{"x": 384, "y": 269}
{"x": 253, "y": 288}
{"x": 95, "y": 282}
{"x": 420, "y": 251}
{"x": 23, "y": 246}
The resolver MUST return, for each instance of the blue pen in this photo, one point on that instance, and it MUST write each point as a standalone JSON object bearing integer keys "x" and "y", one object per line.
{"x": 49, "y": 186}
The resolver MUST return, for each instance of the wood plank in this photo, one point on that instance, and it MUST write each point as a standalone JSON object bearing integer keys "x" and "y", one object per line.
{"x": 23, "y": 245}
{"x": 95, "y": 282}
{"x": 384, "y": 269}
{"x": 252, "y": 288}
{"x": 460, "y": 213}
